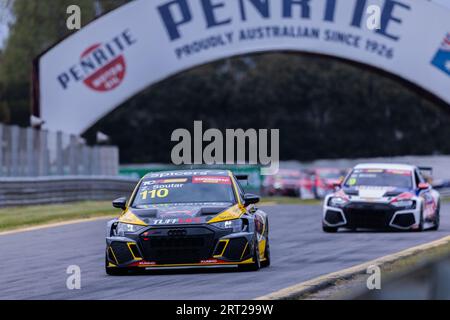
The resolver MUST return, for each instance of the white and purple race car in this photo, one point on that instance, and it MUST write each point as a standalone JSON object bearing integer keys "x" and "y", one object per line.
{"x": 383, "y": 196}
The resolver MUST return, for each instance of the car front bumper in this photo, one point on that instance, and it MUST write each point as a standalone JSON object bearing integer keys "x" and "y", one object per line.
{"x": 186, "y": 246}
{"x": 368, "y": 215}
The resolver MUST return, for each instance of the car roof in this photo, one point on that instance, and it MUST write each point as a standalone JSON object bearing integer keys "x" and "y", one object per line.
{"x": 386, "y": 166}
{"x": 186, "y": 173}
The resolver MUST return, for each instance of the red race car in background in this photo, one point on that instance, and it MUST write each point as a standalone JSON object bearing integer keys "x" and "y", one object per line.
{"x": 289, "y": 182}
{"x": 325, "y": 180}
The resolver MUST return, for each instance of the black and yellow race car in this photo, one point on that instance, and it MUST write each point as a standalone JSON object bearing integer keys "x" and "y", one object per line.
{"x": 187, "y": 218}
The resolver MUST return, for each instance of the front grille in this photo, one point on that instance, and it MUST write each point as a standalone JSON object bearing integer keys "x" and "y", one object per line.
{"x": 169, "y": 246}
{"x": 121, "y": 252}
{"x": 235, "y": 249}
{"x": 219, "y": 248}
{"x": 175, "y": 242}
{"x": 333, "y": 217}
{"x": 135, "y": 250}
{"x": 374, "y": 216}
{"x": 404, "y": 220}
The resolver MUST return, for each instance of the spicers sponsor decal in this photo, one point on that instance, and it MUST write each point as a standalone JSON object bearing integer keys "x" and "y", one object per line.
{"x": 102, "y": 66}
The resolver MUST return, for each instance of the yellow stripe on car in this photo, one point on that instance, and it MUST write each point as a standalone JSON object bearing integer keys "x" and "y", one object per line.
{"x": 234, "y": 212}
{"x": 224, "y": 248}
{"x": 131, "y": 218}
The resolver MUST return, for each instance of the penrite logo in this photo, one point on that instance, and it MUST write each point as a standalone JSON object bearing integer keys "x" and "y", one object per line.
{"x": 442, "y": 58}
{"x": 102, "y": 67}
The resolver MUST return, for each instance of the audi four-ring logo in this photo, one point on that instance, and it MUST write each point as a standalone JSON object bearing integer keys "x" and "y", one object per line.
{"x": 177, "y": 233}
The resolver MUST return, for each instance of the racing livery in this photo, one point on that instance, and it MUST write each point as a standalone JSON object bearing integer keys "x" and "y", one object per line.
{"x": 383, "y": 196}
{"x": 193, "y": 218}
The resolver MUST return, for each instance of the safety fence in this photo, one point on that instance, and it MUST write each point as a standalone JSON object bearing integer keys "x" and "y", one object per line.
{"x": 445, "y": 192}
{"x": 27, "y": 152}
{"x": 50, "y": 190}
{"x": 429, "y": 280}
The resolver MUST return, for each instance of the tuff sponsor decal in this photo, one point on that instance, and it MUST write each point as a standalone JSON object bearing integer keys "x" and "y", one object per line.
{"x": 212, "y": 179}
{"x": 176, "y": 221}
{"x": 102, "y": 66}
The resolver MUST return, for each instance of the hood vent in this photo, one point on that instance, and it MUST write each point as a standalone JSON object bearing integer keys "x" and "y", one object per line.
{"x": 209, "y": 211}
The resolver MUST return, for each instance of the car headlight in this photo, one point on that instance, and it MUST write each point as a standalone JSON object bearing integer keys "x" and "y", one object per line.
{"x": 123, "y": 228}
{"x": 406, "y": 204}
{"x": 337, "y": 202}
{"x": 236, "y": 225}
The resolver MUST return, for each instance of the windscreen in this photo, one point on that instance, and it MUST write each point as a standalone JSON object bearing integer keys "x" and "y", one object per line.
{"x": 185, "y": 190}
{"x": 379, "y": 178}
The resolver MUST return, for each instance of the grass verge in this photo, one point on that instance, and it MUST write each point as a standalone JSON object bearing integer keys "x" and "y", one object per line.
{"x": 22, "y": 217}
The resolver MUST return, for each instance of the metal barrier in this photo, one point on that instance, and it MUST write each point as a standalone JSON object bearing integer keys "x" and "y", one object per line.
{"x": 428, "y": 281}
{"x": 27, "y": 152}
{"x": 49, "y": 190}
{"x": 445, "y": 192}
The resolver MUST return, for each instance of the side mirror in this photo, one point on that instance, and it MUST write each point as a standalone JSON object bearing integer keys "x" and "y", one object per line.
{"x": 250, "y": 199}
{"x": 120, "y": 203}
{"x": 338, "y": 184}
{"x": 424, "y": 186}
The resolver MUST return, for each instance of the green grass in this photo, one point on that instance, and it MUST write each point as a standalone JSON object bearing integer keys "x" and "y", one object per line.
{"x": 19, "y": 217}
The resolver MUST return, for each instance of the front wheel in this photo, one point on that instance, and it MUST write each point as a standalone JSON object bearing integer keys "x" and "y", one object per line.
{"x": 114, "y": 271}
{"x": 256, "y": 265}
{"x": 329, "y": 229}
{"x": 421, "y": 223}
{"x": 437, "y": 219}
{"x": 266, "y": 261}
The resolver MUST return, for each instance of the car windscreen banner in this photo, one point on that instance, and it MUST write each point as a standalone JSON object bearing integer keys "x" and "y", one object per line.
{"x": 87, "y": 75}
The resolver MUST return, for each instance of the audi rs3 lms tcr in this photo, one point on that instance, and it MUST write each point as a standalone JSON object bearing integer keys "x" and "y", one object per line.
{"x": 197, "y": 218}
{"x": 383, "y": 196}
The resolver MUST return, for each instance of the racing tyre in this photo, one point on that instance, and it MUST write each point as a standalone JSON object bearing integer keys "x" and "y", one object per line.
{"x": 420, "y": 228}
{"x": 329, "y": 229}
{"x": 256, "y": 265}
{"x": 114, "y": 271}
{"x": 437, "y": 220}
{"x": 266, "y": 262}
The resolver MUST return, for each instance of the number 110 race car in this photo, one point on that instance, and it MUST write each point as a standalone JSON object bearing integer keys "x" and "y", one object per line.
{"x": 187, "y": 219}
{"x": 383, "y": 196}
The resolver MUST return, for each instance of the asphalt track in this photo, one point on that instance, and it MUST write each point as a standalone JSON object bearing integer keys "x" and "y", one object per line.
{"x": 33, "y": 264}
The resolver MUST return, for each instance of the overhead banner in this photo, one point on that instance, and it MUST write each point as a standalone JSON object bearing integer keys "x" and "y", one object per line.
{"x": 90, "y": 73}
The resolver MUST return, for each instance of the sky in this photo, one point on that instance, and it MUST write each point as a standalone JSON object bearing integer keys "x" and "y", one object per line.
{"x": 5, "y": 17}
{"x": 3, "y": 34}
